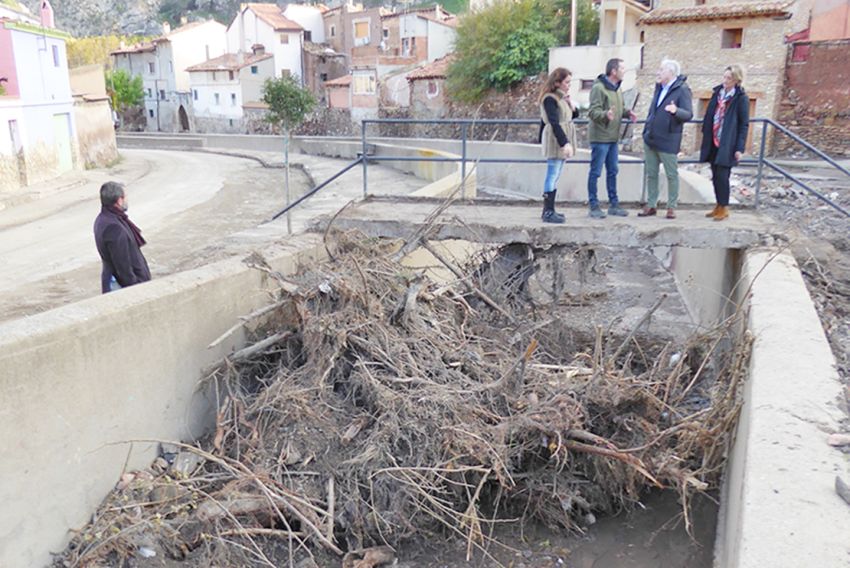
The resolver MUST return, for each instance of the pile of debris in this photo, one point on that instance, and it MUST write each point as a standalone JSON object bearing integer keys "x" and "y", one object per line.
{"x": 377, "y": 406}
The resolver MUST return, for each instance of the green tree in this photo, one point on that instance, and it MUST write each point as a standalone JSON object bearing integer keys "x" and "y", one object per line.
{"x": 124, "y": 90}
{"x": 500, "y": 45}
{"x": 289, "y": 104}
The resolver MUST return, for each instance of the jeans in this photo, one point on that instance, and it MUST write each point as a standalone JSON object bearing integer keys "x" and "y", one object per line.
{"x": 554, "y": 167}
{"x": 719, "y": 179}
{"x": 671, "y": 171}
{"x": 603, "y": 152}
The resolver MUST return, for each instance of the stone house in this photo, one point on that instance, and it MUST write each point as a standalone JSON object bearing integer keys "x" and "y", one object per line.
{"x": 321, "y": 64}
{"x": 265, "y": 25}
{"x": 427, "y": 88}
{"x": 38, "y": 139}
{"x": 357, "y": 92}
{"x": 224, "y": 86}
{"x": 162, "y": 64}
{"x": 354, "y": 30}
{"x": 707, "y": 35}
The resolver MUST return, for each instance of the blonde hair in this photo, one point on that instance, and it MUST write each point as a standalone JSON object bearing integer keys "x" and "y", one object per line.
{"x": 555, "y": 78}
{"x": 737, "y": 73}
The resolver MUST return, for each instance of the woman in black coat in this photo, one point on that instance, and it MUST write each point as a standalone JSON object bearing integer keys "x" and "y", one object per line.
{"x": 724, "y": 135}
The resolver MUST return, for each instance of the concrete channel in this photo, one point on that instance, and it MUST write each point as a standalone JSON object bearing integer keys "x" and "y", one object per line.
{"x": 87, "y": 389}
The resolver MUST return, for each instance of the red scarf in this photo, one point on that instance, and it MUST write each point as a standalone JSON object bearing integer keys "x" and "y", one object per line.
{"x": 137, "y": 233}
{"x": 719, "y": 114}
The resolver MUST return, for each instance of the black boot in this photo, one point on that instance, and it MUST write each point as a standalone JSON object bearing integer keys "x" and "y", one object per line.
{"x": 549, "y": 214}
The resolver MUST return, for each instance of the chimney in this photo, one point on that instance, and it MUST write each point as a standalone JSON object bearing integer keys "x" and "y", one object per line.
{"x": 258, "y": 49}
{"x": 47, "y": 14}
{"x": 184, "y": 20}
{"x": 166, "y": 28}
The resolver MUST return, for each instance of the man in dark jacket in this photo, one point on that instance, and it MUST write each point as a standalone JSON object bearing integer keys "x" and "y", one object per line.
{"x": 118, "y": 241}
{"x": 669, "y": 110}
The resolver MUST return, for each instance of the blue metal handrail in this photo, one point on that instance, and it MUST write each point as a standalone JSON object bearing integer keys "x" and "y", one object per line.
{"x": 465, "y": 123}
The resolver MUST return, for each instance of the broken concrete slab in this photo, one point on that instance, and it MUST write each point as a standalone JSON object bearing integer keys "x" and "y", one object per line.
{"x": 501, "y": 222}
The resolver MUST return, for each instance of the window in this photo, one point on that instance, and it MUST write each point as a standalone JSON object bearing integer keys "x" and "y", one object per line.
{"x": 308, "y": 35}
{"x": 231, "y": 122}
{"x": 151, "y": 67}
{"x": 641, "y": 36}
{"x": 254, "y": 70}
{"x": 364, "y": 83}
{"x": 586, "y": 84}
{"x": 284, "y": 38}
{"x": 150, "y": 93}
{"x": 150, "y": 113}
{"x": 333, "y": 31}
{"x": 232, "y": 99}
{"x": 732, "y": 39}
{"x": 432, "y": 88}
{"x": 217, "y": 98}
{"x": 162, "y": 94}
{"x": 285, "y": 72}
{"x": 230, "y": 75}
{"x": 361, "y": 32}
{"x": 800, "y": 52}
{"x": 194, "y": 94}
{"x": 323, "y": 77}
{"x": 171, "y": 66}
{"x": 55, "y": 55}
{"x": 213, "y": 76}
{"x": 386, "y": 32}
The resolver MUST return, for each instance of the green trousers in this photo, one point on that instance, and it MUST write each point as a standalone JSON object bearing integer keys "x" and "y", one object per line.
{"x": 671, "y": 170}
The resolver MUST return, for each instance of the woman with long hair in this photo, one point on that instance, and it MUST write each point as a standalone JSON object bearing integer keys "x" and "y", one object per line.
{"x": 557, "y": 135}
{"x": 724, "y": 135}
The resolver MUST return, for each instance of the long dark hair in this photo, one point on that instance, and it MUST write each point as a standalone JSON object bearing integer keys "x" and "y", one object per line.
{"x": 555, "y": 78}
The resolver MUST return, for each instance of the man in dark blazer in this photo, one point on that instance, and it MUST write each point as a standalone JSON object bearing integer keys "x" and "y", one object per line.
{"x": 118, "y": 241}
{"x": 670, "y": 109}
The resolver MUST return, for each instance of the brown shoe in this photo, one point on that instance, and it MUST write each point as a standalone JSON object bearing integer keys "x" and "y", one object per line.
{"x": 722, "y": 213}
{"x": 671, "y": 213}
{"x": 713, "y": 212}
{"x": 647, "y": 212}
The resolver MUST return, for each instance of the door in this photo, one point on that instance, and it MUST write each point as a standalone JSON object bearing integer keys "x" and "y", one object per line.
{"x": 62, "y": 141}
{"x": 184, "y": 119}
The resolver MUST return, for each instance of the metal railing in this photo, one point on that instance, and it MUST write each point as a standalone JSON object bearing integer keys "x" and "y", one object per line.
{"x": 464, "y": 158}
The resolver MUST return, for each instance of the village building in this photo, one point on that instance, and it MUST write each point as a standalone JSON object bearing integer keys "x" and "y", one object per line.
{"x": 353, "y": 30}
{"x": 222, "y": 87}
{"x": 162, "y": 65}
{"x": 707, "y": 37}
{"x": 38, "y": 140}
{"x": 321, "y": 64}
{"x": 428, "y": 88}
{"x": 619, "y": 37}
{"x": 265, "y": 25}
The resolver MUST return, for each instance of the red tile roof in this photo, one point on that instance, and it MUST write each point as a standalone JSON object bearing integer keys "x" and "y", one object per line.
{"x": 715, "y": 12}
{"x": 137, "y": 48}
{"x": 343, "y": 81}
{"x": 437, "y": 69}
{"x": 273, "y": 16}
{"x": 229, "y": 62}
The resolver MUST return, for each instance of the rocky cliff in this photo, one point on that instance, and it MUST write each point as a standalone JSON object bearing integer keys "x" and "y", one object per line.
{"x": 132, "y": 17}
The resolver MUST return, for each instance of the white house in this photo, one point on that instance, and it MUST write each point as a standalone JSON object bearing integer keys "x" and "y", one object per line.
{"x": 222, "y": 86}
{"x": 162, "y": 64}
{"x": 425, "y": 37}
{"x": 37, "y": 128}
{"x": 310, "y": 18}
{"x": 265, "y": 25}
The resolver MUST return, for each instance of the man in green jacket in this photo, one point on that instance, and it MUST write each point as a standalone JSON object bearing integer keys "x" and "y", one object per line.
{"x": 606, "y": 111}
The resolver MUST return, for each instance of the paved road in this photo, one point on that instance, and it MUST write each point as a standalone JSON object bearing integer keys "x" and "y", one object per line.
{"x": 193, "y": 208}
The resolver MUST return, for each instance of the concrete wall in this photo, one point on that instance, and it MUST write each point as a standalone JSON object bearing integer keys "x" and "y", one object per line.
{"x": 779, "y": 507}
{"x": 95, "y": 132}
{"x": 79, "y": 382}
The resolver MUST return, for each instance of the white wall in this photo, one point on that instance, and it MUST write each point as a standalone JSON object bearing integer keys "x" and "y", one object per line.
{"x": 207, "y": 87}
{"x": 310, "y": 18}
{"x": 252, "y": 84}
{"x": 195, "y": 45}
{"x": 588, "y": 62}
{"x": 411, "y": 25}
{"x": 247, "y": 29}
{"x": 441, "y": 40}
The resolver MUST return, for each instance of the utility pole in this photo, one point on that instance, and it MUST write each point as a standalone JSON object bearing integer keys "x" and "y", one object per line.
{"x": 573, "y": 16}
